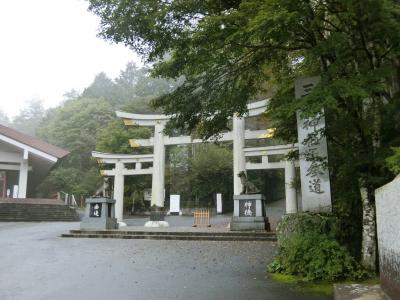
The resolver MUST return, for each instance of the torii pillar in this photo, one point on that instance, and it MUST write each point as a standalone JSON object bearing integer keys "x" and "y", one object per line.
{"x": 239, "y": 160}
{"x": 119, "y": 192}
{"x": 157, "y": 186}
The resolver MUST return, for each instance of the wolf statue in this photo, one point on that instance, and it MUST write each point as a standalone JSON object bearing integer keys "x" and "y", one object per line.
{"x": 248, "y": 187}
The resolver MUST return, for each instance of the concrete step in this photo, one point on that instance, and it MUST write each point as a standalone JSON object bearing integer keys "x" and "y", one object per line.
{"x": 26, "y": 212}
{"x": 171, "y": 232}
{"x": 173, "y": 235}
{"x": 170, "y": 237}
{"x": 41, "y": 219}
{"x": 71, "y": 211}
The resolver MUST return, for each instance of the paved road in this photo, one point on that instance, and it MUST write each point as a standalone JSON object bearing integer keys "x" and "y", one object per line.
{"x": 35, "y": 263}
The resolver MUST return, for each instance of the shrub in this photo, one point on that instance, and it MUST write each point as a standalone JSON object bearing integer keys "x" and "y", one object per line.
{"x": 308, "y": 247}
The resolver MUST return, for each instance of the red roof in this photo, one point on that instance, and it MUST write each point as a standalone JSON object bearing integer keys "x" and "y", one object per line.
{"x": 33, "y": 142}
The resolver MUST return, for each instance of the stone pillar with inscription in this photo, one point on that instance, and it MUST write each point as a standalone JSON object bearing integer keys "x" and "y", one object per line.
{"x": 315, "y": 184}
{"x": 99, "y": 214}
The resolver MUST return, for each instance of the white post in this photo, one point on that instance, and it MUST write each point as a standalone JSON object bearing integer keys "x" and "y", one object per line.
{"x": 119, "y": 192}
{"x": 239, "y": 161}
{"x": 290, "y": 191}
{"x": 23, "y": 176}
{"x": 157, "y": 186}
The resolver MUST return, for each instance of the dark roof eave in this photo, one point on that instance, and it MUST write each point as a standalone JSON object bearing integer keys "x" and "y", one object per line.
{"x": 33, "y": 142}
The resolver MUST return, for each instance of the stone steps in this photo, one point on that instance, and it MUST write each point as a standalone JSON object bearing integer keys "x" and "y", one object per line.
{"x": 173, "y": 235}
{"x": 25, "y": 212}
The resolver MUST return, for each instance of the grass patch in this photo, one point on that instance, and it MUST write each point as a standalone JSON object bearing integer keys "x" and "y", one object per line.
{"x": 299, "y": 284}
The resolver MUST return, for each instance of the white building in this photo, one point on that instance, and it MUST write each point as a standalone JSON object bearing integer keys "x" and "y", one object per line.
{"x": 24, "y": 162}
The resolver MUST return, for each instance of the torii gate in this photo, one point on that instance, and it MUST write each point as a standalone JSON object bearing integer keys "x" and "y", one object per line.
{"x": 119, "y": 171}
{"x": 159, "y": 141}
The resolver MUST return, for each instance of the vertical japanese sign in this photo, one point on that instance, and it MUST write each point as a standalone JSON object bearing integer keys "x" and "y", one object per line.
{"x": 315, "y": 184}
{"x": 174, "y": 203}
{"x": 219, "y": 203}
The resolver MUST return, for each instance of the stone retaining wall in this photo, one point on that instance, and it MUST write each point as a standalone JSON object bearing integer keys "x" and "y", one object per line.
{"x": 32, "y": 201}
{"x": 388, "y": 228}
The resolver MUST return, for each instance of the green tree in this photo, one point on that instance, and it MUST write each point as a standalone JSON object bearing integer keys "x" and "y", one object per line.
{"x": 211, "y": 171}
{"x": 74, "y": 127}
{"x": 231, "y": 51}
{"x": 126, "y": 82}
{"x": 197, "y": 172}
{"x": 114, "y": 138}
{"x": 29, "y": 118}
{"x": 103, "y": 88}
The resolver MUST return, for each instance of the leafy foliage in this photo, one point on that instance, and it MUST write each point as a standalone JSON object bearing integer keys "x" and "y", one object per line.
{"x": 393, "y": 161}
{"x": 29, "y": 118}
{"x": 227, "y": 50}
{"x": 200, "y": 171}
{"x": 211, "y": 170}
{"x": 308, "y": 247}
{"x": 114, "y": 138}
{"x": 74, "y": 127}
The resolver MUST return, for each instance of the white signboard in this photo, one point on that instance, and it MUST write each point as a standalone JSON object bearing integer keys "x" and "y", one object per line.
{"x": 15, "y": 191}
{"x": 147, "y": 195}
{"x": 219, "y": 203}
{"x": 174, "y": 203}
{"x": 315, "y": 184}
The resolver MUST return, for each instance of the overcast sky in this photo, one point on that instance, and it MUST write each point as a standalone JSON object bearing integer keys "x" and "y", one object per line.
{"x": 49, "y": 47}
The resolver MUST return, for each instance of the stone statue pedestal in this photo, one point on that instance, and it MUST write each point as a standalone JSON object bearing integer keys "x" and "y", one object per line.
{"x": 157, "y": 218}
{"x": 99, "y": 214}
{"x": 249, "y": 213}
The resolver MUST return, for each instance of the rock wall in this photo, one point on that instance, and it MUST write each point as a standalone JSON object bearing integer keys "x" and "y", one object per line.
{"x": 388, "y": 227}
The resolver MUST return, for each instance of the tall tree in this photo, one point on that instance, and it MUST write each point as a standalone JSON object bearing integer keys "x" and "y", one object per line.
{"x": 104, "y": 88}
{"x": 4, "y": 120}
{"x": 229, "y": 51}
{"x": 29, "y": 118}
{"x": 74, "y": 127}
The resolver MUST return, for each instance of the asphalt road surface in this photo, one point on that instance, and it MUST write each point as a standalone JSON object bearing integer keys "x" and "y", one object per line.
{"x": 35, "y": 263}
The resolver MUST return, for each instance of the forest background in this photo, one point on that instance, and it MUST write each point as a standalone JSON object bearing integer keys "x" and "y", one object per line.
{"x": 85, "y": 122}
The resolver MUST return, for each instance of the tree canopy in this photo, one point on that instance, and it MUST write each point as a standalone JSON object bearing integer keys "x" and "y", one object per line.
{"x": 228, "y": 51}
{"x": 28, "y": 120}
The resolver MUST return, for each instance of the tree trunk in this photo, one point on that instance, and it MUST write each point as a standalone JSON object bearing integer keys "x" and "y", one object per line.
{"x": 368, "y": 249}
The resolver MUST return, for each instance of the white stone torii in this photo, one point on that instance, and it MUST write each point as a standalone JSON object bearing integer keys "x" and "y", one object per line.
{"x": 159, "y": 141}
{"x": 288, "y": 165}
{"x": 238, "y": 135}
{"x": 119, "y": 171}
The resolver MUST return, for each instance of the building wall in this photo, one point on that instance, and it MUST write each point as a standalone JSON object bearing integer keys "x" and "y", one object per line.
{"x": 388, "y": 228}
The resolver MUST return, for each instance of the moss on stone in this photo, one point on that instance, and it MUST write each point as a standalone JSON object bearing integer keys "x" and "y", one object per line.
{"x": 299, "y": 284}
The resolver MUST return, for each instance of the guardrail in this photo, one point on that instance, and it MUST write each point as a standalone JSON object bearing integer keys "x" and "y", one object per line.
{"x": 69, "y": 199}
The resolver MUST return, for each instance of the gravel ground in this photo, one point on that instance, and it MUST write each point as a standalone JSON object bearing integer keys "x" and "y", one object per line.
{"x": 37, "y": 264}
